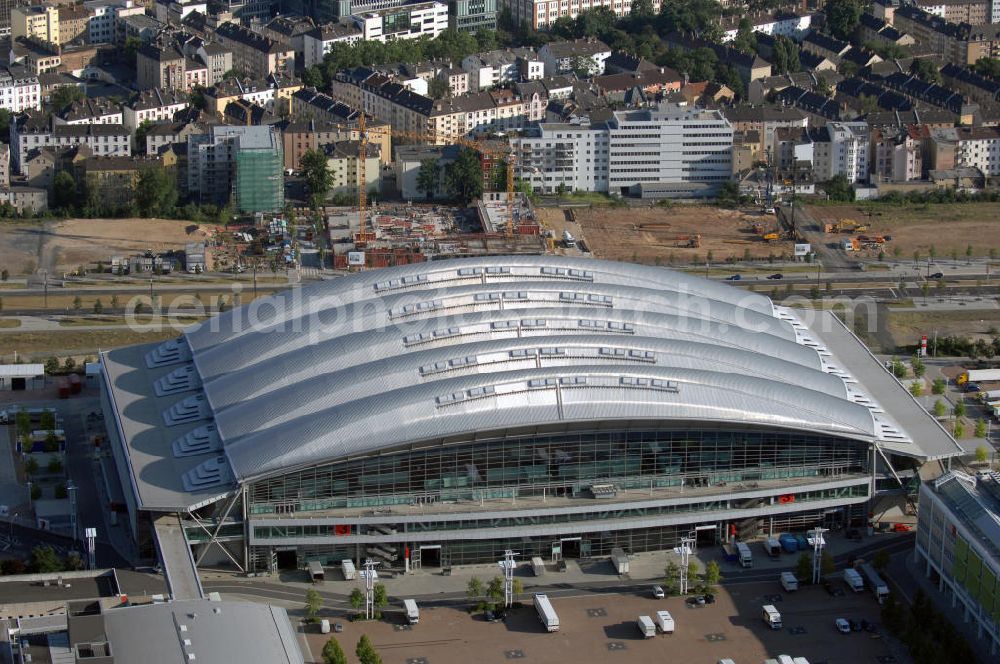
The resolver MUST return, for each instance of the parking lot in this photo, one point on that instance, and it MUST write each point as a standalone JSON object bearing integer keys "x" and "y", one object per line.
{"x": 602, "y": 627}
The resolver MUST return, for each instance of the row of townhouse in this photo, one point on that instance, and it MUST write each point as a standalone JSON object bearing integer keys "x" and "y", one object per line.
{"x": 539, "y": 14}
{"x": 959, "y": 43}
{"x": 19, "y": 92}
{"x": 837, "y": 148}
{"x": 30, "y": 132}
{"x": 411, "y": 113}
{"x": 256, "y": 55}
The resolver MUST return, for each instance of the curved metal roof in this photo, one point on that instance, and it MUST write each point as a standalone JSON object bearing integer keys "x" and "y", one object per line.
{"x": 384, "y": 358}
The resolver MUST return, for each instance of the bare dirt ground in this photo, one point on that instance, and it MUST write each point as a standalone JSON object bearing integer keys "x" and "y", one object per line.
{"x": 63, "y": 245}
{"x": 945, "y": 227}
{"x": 662, "y": 235}
{"x": 906, "y": 327}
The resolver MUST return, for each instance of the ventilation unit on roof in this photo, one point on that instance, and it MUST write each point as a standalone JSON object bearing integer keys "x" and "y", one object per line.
{"x": 202, "y": 440}
{"x": 170, "y": 352}
{"x": 211, "y": 473}
{"x": 180, "y": 379}
{"x": 191, "y": 409}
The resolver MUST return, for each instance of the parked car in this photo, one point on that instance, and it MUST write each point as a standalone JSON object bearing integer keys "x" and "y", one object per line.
{"x": 658, "y": 592}
{"x": 937, "y": 275}
{"x": 843, "y": 626}
{"x": 709, "y": 598}
{"x": 855, "y": 625}
{"x": 696, "y": 600}
{"x": 491, "y": 616}
{"x": 776, "y": 275}
{"x": 901, "y": 527}
{"x": 733, "y": 277}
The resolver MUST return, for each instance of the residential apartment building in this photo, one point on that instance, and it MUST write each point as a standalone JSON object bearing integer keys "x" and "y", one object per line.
{"x": 301, "y": 135}
{"x": 959, "y": 43}
{"x": 39, "y": 22}
{"x": 320, "y": 40}
{"x": 255, "y": 55}
{"x": 563, "y": 57}
{"x": 20, "y": 93}
{"x": 539, "y": 14}
{"x": 972, "y": 147}
{"x": 153, "y": 106}
{"x": 113, "y": 180}
{"x": 73, "y": 22}
{"x": 502, "y": 66}
{"x": 974, "y": 12}
{"x": 139, "y": 27}
{"x": 686, "y": 150}
{"x": 273, "y": 93}
{"x": 958, "y": 546}
{"x": 789, "y": 24}
{"x": 410, "y": 21}
{"x": 104, "y": 16}
{"x": 764, "y": 119}
{"x": 242, "y": 165}
{"x": 36, "y": 58}
{"x": 472, "y": 15}
{"x": 161, "y": 66}
{"x": 897, "y": 154}
{"x": 168, "y": 134}
{"x": 95, "y": 110}
{"x": 29, "y": 133}
{"x": 348, "y": 171}
{"x": 841, "y": 148}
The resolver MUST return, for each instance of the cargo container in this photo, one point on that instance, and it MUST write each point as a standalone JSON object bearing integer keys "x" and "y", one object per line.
{"x": 853, "y": 580}
{"x": 619, "y": 559}
{"x": 347, "y": 568}
{"x": 316, "y": 574}
{"x": 789, "y": 543}
{"x": 744, "y": 554}
{"x": 772, "y": 547}
{"x": 789, "y": 582}
{"x": 550, "y": 621}
{"x": 412, "y": 611}
{"x": 537, "y": 566}
{"x": 879, "y": 587}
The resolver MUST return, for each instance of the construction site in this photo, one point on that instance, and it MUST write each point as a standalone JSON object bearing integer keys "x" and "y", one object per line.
{"x": 406, "y": 233}
{"x": 678, "y": 234}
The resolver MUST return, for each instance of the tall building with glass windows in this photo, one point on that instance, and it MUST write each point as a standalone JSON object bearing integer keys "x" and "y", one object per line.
{"x": 958, "y": 542}
{"x": 440, "y": 413}
{"x": 472, "y": 15}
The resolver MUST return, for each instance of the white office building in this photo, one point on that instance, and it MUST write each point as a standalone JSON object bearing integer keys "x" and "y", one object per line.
{"x": 422, "y": 19}
{"x": 688, "y": 151}
{"x": 842, "y": 148}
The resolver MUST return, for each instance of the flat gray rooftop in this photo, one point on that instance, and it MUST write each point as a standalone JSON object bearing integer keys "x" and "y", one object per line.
{"x": 930, "y": 440}
{"x": 156, "y": 470}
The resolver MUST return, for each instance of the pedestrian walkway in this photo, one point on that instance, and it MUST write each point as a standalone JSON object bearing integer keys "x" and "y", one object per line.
{"x": 175, "y": 553}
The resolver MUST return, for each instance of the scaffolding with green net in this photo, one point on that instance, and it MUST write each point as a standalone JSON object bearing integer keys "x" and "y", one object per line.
{"x": 260, "y": 185}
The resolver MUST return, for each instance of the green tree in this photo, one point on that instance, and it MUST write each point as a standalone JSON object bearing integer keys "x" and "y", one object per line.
{"x": 333, "y": 653}
{"x": 464, "y": 176}
{"x": 44, "y": 560}
{"x": 980, "y": 431}
{"x": 64, "y": 95}
{"x": 898, "y": 368}
{"x": 745, "y": 41}
{"x": 517, "y": 588}
{"x": 925, "y": 69}
{"x": 826, "y": 564}
{"x": 839, "y": 188}
{"x": 692, "y": 573}
{"x": 77, "y": 303}
{"x": 803, "y": 568}
{"x": 427, "y": 177}
{"x": 881, "y": 559}
{"x": 140, "y": 134}
{"x": 313, "y": 604}
{"x": 642, "y": 10}
{"x": 940, "y": 409}
{"x": 917, "y": 388}
{"x": 36, "y": 492}
{"x": 982, "y": 454}
{"x": 5, "y": 117}
{"x": 312, "y": 77}
{"x": 380, "y": 598}
{"x": 671, "y": 578}
{"x": 438, "y": 88}
{"x": 495, "y": 591}
{"x": 98, "y": 307}
{"x": 919, "y": 369}
{"x": 357, "y": 600}
{"x": 30, "y": 466}
{"x": 728, "y": 195}
{"x": 65, "y": 193}
{"x": 712, "y": 573}
{"x": 114, "y": 301}
{"x": 47, "y": 420}
{"x": 959, "y": 429}
{"x": 959, "y": 410}
{"x": 156, "y": 192}
{"x": 842, "y": 17}
{"x": 366, "y": 651}
{"x": 968, "y": 253}
{"x": 317, "y": 176}
{"x": 938, "y": 386}
{"x": 474, "y": 591}
{"x": 55, "y": 466}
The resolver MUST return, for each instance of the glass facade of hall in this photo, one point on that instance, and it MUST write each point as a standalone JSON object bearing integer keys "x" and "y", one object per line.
{"x": 559, "y": 465}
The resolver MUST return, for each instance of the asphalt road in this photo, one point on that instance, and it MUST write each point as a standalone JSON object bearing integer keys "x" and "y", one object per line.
{"x": 268, "y": 590}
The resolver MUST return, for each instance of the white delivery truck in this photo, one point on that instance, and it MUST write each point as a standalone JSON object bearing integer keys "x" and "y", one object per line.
{"x": 646, "y": 627}
{"x": 619, "y": 559}
{"x": 412, "y": 611}
{"x": 773, "y": 547}
{"x": 771, "y": 616}
{"x": 789, "y": 582}
{"x": 853, "y": 580}
{"x": 347, "y": 567}
{"x": 538, "y": 566}
{"x": 546, "y": 613}
{"x": 324, "y": 626}
{"x": 568, "y": 239}
{"x": 744, "y": 555}
{"x": 800, "y": 660}
{"x": 875, "y": 582}
{"x": 665, "y": 622}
